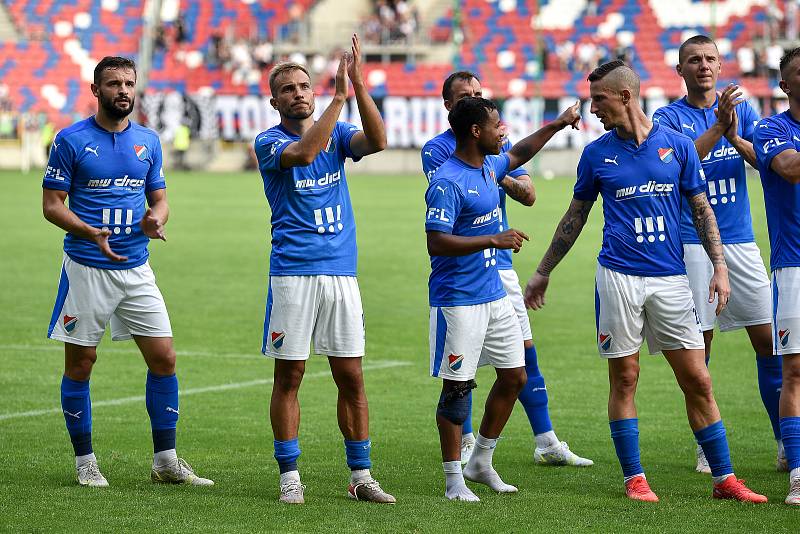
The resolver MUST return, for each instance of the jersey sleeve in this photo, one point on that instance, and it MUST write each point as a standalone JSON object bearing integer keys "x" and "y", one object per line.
{"x": 345, "y": 132}
{"x": 519, "y": 171}
{"x": 58, "y": 174}
{"x": 499, "y": 164}
{"x": 770, "y": 139}
{"x": 433, "y": 155}
{"x": 443, "y": 200}
{"x": 692, "y": 179}
{"x": 269, "y": 146}
{"x": 586, "y": 187}
{"x": 663, "y": 117}
{"x": 748, "y": 119}
{"x": 155, "y": 176}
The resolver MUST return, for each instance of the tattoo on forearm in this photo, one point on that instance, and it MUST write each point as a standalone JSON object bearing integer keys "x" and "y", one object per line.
{"x": 516, "y": 189}
{"x": 565, "y": 236}
{"x": 707, "y": 230}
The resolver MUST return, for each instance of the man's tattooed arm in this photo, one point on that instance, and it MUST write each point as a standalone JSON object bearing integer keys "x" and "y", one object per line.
{"x": 520, "y": 189}
{"x": 567, "y": 232}
{"x": 705, "y": 223}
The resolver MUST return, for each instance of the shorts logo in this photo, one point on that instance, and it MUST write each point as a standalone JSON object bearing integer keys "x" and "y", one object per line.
{"x": 277, "y": 339}
{"x": 783, "y": 335}
{"x": 604, "y": 340}
{"x": 455, "y": 361}
{"x": 141, "y": 151}
{"x": 665, "y": 154}
{"x": 70, "y": 322}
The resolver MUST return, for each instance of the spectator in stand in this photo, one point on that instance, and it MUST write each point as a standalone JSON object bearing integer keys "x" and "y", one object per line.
{"x": 262, "y": 54}
{"x": 774, "y": 52}
{"x": 566, "y": 54}
{"x": 747, "y": 61}
{"x": 180, "y": 30}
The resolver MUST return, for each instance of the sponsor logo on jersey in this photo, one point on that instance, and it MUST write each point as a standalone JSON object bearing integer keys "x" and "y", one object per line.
{"x": 54, "y": 173}
{"x": 651, "y": 188}
{"x": 92, "y": 150}
{"x": 125, "y": 181}
{"x": 723, "y": 152}
{"x": 455, "y": 361}
{"x": 439, "y": 214}
{"x": 783, "y": 335}
{"x": 612, "y": 160}
{"x": 277, "y": 338}
{"x": 665, "y": 154}
{"x": 141, "y": 151}
{"x": 328, "y": 179}
{"x": 488, "y": 217}
{"x": 688, "y": 127}
{"x": 772, "y": 143}
{"x": 70, "y": 323}
{"x": 604, "y": 340}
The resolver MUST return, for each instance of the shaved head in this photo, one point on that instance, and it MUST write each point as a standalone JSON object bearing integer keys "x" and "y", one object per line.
{"x": 617, "y": 76}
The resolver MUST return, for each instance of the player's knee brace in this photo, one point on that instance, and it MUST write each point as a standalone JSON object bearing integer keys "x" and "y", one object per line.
{"x": 454, "y": 403}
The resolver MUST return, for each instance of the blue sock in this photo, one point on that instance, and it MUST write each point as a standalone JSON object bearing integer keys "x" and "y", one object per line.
{"x": 357, "y": 453}
{"x": 286, "y": 453}
{"x": 708, "y": 357}
{"x": 534, "y": 395}
{"x": 77, "y": 407}
{"x": 625, "y": 433}
{"x": 466, "y": 428}
{"x": 714, "y": 442}
{"x": 161, "y": 398}
{"x": 790, "y": 432}
{"x": 770, "y": 379}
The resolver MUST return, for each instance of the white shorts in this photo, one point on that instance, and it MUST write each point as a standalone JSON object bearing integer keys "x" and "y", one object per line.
{"x": 323, "y": 309}
{"x": 630, "y": 308}
{"x": 750, "y": 299}
{"x": 89, "y": 298}
{"x": 514, "y": 292}
{"x": 786, "y": 310}
{"x": 463, "y": 338}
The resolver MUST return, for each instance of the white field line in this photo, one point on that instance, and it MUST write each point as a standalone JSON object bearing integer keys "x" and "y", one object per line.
{"x": 196, "y": 391}
{"x": 133, "y": 349}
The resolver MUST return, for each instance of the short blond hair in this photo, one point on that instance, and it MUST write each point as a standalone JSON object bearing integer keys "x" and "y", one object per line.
{"x": 281, "y": 68}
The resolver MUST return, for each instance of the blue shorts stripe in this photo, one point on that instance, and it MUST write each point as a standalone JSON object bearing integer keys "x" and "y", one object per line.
{"x": 441, "y": 334}
{"x": 61, "y": 297}
{"x": 267, "y": 315}
{"x": 774, "y": 314}
{"x": 596, "y": 310}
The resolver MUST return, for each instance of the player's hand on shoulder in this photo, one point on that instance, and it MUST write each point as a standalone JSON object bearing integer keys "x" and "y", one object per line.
{"x": 100, "y": 237}
{"x": 510, "y": 239}
{"x": 570, "y": 116}
{"x": 534, "y": 291}
{"x": 152, "y": 226}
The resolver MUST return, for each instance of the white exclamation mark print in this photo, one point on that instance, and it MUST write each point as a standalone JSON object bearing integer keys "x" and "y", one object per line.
{"x": 637, "y": 223}
{"x": 648, "y": 221}
{"x": 117, "y": 220}
{"x": 732, "y": 181}
{"x": 712, "y": 191}
{"x": 339, "y": 216}
{"x": 660, "y": 225}
{"x": 723, "y": 190}
{"x": 318, "y": 221}
{"x": 106, "y": 218}
{"x": 128, "y": 221}
{"x": 329, "y": 216}
{"x": 487, "y": 255}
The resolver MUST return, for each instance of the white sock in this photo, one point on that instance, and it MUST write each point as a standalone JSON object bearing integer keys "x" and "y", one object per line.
{"x": 794, "y": 473}
{"x": 290, "y": 476}
{"x": 626, "y": 479}
{"x": 162, "y": 458}
{"x": 85, "y": 459}
{"x": 482, "y": 454}
{"x": 359, "y": 476}
{"x": 546, "y": 439}
{"x": 721, "y": 479}
{"x": 469, "y": 437}
{"x": 452, "y": 473}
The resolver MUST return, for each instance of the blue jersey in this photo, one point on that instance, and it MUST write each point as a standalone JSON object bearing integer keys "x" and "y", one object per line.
{"x": 106, "y": 176}
{"x": 438, "y": 150}
{"x": 313, "y": 227}
{"x": 641, "y": 188}
{"x": 726, "y": 182}
{"x": 463, "y": 200}
{"x": 782, "y": 200}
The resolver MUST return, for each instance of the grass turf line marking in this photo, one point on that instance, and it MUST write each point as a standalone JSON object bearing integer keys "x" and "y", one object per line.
{"x": 196, "y": 391}
{"x": 133, "y": 349}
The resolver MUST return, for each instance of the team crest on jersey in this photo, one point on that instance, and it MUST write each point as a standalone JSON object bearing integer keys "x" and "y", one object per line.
{"x": 141, "y": 151}
{"x": 329, "y": 148}
{"x": 604, "y": 340}
{"x": 783, "y": 335}
{"x": 665, "y": 154}
{"x": 455, "y": 361}
{"x": 277, "y": 339}
{"x": 70, "y": 323}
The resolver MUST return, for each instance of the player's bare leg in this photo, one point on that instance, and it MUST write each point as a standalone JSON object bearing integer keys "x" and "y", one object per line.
{"x": 284, "y": 414}
{"x": 451, "y": 412}
{"x": 702, "y": 462}
{"x": 790, "y": 423}
{"x": 499, "y": 405}
{"x": 162, "y": 407}
{"x": 352, "y": 412}
{"x": 704, "y": 418}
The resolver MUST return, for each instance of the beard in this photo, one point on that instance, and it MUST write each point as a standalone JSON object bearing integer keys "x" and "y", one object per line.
{"x": 299, "y": 114}
{"x": 112, "y": 110}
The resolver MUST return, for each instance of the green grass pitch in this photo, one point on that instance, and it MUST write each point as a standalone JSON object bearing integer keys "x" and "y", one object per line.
{"x": 213, "y": 273}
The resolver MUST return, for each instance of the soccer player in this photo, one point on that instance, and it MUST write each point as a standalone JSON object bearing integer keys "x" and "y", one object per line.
{"x": 472, "y": 321}
{"x": 549, "y": 450}
{"x": 108, "y": 166}
{"x": 777, "y": 142}
{"x": 722, "y": 129}
{"x": 642, "y": 170}
{"x": 313, "y": 293}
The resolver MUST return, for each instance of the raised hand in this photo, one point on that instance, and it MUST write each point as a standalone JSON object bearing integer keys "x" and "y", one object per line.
{"x": 152, "y": 226}
{"x": 510, "y": 239}
{"x": 534, "y": 291}
{"x": 570, "y": 116}
{"x": 354, "y": 61}
{"x": 341, "y": 76}
{"x": 101, "y": 239}
{"x": 729, "y": 98}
